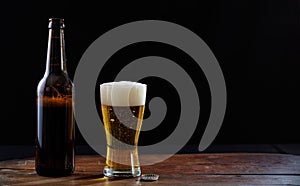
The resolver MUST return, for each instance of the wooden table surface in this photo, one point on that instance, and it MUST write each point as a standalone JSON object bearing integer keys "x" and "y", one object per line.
{"x": 180, "y": 169}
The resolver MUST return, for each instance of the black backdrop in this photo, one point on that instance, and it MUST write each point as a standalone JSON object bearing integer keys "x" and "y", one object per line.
{"x": 257, "y": 44}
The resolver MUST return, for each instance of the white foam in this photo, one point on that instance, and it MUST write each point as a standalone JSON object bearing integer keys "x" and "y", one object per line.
{"x": 123, "y": 93}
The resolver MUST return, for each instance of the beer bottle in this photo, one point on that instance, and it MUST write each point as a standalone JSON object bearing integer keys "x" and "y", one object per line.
{"x": 55, "y": 117}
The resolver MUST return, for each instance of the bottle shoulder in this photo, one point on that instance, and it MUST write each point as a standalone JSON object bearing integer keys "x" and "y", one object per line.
{"x": 55, "y": 84}
{"x": 57, "y": 78}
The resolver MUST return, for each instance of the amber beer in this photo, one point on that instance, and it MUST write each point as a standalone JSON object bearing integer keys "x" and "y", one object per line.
{"x": 122, "y": 105}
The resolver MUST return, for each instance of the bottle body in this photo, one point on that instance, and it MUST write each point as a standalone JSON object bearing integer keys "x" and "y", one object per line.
{"x": 55, "y": 116}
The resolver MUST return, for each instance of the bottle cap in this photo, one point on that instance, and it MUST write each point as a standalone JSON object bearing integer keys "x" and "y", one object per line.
{"x": 149, "y": 177}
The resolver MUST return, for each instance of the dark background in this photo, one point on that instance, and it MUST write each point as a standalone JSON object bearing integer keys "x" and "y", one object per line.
{"x": 257, "y": 44}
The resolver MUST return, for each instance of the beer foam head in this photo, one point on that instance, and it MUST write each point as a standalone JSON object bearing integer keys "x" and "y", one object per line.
{"x": 123, "y": 93}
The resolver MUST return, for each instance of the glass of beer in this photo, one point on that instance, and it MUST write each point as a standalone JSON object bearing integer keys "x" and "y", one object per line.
{"x": 122, "y": 105}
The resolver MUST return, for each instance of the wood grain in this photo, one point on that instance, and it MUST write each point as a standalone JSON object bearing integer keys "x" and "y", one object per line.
{"x": 180, "y": 169}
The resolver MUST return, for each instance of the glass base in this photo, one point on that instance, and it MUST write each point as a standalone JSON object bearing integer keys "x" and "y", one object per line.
{"x": 115, "y": 172}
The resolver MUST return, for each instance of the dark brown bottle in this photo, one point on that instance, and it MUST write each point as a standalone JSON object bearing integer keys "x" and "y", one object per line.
{"x": 55, "y": 114}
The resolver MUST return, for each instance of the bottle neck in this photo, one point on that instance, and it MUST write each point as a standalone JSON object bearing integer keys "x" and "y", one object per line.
{"x": 56, "y": 57}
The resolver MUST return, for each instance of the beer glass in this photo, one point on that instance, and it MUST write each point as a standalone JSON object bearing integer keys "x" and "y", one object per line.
{"x": 122, "y": 106}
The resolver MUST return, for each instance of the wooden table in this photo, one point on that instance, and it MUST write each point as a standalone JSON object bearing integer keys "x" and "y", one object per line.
{"x": 180, "y": 169}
